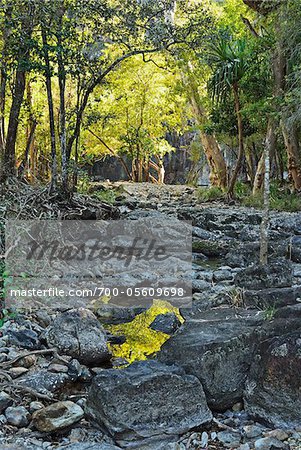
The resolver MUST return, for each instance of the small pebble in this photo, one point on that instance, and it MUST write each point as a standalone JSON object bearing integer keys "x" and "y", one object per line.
{"x": 3, "y": 420}
{"x": 57, "y": 368}
{"x": 238, "y": 407}
{"x": 277, "y": 434}
{"x": 5, "y": 401}
{"x": 16, "y": 372}
{"x": 270, "y": 444}
{"x": 17, "y": 416}
{"x": 204, "y": 439}
{"x": 28, "y": 361}
{"x": 244, "y": 447}
{"x": 213, "y": 435}
{"x": 252, "y": 431}
{"x": 35, "y": 406}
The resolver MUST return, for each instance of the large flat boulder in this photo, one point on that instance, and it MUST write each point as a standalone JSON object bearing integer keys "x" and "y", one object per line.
{"x": 273, "y": 297}
{"x": 277, "y": 274}
{"x": 217, "y": 347}
{"x": 273, "y": 388}
{"x": 146, "y": 402}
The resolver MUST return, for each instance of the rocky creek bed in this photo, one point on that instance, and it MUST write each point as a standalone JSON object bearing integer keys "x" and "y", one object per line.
{"x": 228, "y": 376}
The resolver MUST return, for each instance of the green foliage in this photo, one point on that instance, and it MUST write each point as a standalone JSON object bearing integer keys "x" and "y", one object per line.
{"x": 209, "y": 194}
{"x": 83, "y": 182}
{"x": 281, "y": 199}
{"x": 107, "y": 196}
{"x": 236, "y": 297}
{"x": 138, "y": 107}
{"x": 242, "y": 189}
{"x": 230, "y": 60}
{"x": 285, "y": 201}
{"x": 269, "y": 313}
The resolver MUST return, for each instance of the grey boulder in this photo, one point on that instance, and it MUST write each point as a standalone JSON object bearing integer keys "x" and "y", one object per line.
{"x": 217, "y": 347}
{"x": 277, "y": 274}
{"x": 273, "y": 387}
{"x": 146, "y": 402}
{"x": 78, "y": 333}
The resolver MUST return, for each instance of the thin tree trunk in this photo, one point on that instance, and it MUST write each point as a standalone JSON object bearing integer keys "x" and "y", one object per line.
{"x": 62, "y": 89}
{"x": 28, "y": 147}
{"x": 240, "y": 142}
{"x": 53, "y": 184}
{"x": 250, "y": 164}
{"x": 264, "y": 230}
{"x": 75, "y": 169}
{"x": 271, "y": 138}
{"x": 32, "y": 124}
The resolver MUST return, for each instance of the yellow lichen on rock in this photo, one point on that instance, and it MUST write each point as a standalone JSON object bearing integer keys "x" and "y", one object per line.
{"x": 142, "y": 341}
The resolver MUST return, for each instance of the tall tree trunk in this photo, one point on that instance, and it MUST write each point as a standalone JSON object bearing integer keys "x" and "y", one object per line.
{"x": 13, "y": 123}
{"x": 53, "y": 184}
{"x": 240, "y": 142}
{"x": 9, "y": 159}
{"x": 62, "y": 89}
{"x": 3, "y": 79}
{"x": 264, "y": 230}
{"x": 215, "y": 158}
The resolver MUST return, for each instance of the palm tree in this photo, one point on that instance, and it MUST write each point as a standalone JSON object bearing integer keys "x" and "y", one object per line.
{"x": 230, "y": 62}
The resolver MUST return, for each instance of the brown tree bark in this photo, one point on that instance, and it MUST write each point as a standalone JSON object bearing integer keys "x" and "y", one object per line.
{"x": 9, "y": 160}
{"x": 271, "y": 138}
{"x": 10, "y": 147}
{"x": 215, "y": 158}
{"x": 262, "y": 6}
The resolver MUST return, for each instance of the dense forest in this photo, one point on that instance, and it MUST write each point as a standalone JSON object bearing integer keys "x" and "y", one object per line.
{"x": 150, "y": 227}
{"x": 83, "y": 79}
